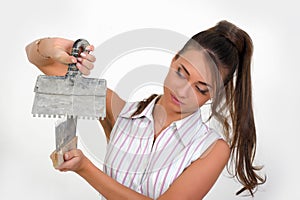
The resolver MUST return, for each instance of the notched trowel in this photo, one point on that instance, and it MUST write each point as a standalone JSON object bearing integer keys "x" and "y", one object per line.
{"x": 72, "y": 96}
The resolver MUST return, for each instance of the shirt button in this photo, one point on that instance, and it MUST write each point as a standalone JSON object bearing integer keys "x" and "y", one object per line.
{"x": 174, "y": 125}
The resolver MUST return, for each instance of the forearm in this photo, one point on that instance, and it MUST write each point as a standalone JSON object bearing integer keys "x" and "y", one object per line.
{"x": 34, "y": 54}
{"x": 107, "y": 186}
{"x": 38, "y": 53}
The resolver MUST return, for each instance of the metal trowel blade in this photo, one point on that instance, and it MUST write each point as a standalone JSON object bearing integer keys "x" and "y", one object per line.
{"x": 65, "y": 132}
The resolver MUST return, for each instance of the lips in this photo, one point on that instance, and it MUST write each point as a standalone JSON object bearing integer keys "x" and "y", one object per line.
{"x": 175, "y": 100}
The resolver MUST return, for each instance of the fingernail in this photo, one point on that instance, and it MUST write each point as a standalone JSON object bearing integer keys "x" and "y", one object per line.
{"x": 83, "y": 55}
{"x": 79, "y": 59}
{"x": 74, "y": 60}
{"x": 66, "y": 156}
{"x": 78, "y": 65}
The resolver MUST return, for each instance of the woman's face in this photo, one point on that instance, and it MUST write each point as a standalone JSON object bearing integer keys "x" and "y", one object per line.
{"x": 188, "y": 84}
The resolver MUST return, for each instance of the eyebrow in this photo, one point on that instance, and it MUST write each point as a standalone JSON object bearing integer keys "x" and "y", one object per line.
{"x": 188, "y": 73}
{"x": 185, "y": 69}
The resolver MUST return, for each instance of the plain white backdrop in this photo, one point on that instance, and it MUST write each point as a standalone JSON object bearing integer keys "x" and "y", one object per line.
{"x": 25, "y": 142}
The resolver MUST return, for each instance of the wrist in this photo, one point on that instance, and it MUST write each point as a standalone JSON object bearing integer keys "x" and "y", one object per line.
{"x": 84, "y": 166}
{"x": 39, "y": 48}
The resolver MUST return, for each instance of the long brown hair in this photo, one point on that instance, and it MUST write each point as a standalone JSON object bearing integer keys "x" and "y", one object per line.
{"x": 231, "y": 49}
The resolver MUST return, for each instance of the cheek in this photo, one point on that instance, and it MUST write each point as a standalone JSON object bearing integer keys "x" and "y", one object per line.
{"x": 197, "y": 99}
{"x": 167, "y": 80}
{"x": 202, "y": 99}
{"x": 170, "y": 81}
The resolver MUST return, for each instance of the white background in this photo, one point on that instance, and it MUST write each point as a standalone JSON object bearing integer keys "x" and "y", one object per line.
{"x": 25, "y": 142}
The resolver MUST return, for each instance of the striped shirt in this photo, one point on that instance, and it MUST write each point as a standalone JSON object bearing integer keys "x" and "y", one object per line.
{"x": 148, "y": 167}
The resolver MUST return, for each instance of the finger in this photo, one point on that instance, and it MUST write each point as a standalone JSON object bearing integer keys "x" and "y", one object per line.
{"x": 65, "y": 166}
{"x": 62, "y": 168}
{"x": 88, "y": 57}
{"x": 89, "y": 65}
{"x": 83, "y": 69}
{"x": 64, "y": 57}
{"x": 68, "y": 163}
{"x": 72, "y": 154}
{"x": 90, "y": 48}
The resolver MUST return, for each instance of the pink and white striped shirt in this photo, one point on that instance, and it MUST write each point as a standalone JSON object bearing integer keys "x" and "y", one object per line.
{"x": 150, "y": 168}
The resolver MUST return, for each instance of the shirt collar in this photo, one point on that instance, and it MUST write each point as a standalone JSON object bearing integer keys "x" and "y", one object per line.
{"x": 190, "y": 127}
{"x": 187, "y": 128}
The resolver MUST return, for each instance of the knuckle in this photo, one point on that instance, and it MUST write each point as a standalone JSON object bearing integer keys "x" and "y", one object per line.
{"x": 90, "y": 58}
{"x": 87, "y": 72}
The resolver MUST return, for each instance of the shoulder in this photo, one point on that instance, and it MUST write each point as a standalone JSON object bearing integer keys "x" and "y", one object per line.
{"x": 129, "y": 109}
{"x": 209, "y": 141}
{"x": 219, "y": 149}
{"x": 114, "y": 105}
{"x": 215, "y": 143}
{"x": 205, "y": 140}
{"x": 201, "y": 174}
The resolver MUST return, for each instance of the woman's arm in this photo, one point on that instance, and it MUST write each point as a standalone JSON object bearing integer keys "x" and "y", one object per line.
{"x": 192, "y": 184}
{"x": 200, "y": 176}
{"x": 114, "y": 105}
{"x": 51, "y": 56}
{"x": 108, "y": 187}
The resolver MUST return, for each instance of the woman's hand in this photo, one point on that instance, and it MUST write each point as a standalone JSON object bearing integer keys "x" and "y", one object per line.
{"x": 59, "y": 50}
{"x": 51, "y": 55}
{"x": 86, "y": 61}
{"x": 75, "y": 161}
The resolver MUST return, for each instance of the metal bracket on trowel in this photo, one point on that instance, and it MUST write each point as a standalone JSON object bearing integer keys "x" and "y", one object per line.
{"x": 72, "y": 96}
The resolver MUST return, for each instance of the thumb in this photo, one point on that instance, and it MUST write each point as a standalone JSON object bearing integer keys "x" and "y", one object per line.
{"x": 72, "y": 153}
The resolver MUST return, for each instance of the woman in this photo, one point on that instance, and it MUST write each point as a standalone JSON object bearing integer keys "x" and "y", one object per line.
{"x": 159, "y": 148}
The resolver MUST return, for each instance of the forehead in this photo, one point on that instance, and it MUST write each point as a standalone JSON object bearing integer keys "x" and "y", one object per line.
{"x": 198, "y": 63}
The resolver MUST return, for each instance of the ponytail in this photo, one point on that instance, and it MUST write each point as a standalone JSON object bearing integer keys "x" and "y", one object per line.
{"x": 244, "y": 138}
{"x": 231, "y": 50}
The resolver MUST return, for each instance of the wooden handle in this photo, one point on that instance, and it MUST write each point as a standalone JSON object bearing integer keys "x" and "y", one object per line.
{"x": 57, "y": 157}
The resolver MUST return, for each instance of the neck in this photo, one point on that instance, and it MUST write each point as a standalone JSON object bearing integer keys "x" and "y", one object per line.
{"x": 163, "y": 117}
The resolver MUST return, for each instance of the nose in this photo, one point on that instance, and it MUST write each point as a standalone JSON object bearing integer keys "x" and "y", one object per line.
{"x": 184, "y": 90}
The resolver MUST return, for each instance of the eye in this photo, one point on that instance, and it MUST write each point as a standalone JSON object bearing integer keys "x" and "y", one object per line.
{"x": 179, "y": 73}
{"x": 202, "y": 91}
